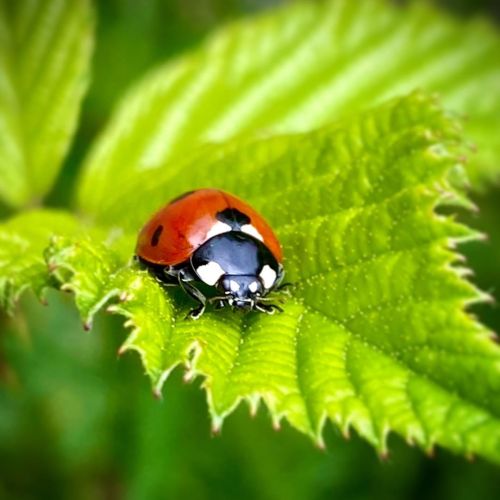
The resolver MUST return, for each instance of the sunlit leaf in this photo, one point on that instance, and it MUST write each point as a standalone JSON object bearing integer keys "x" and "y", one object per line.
{"x": 45, "y": 49}
{"x": 293, "y": 70}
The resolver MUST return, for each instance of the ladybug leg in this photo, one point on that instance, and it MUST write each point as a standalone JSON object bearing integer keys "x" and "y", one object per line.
{"x": 269, "y": 300}
{"x": 285, "y": 288}
{"x": 221, "y": 298}
{"x": 161, "y": 276}
{"x": 195, "y": 294}
{"x": 166, "y": 281}
{"x": 220, "y": 301}
{"x": 220, "y": 304}
{"x": 268, "y": 308}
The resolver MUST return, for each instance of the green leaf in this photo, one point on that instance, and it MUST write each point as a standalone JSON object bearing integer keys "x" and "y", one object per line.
{"x": 296, "y": 69}
{"x": 70, "y": 260}
{"x": 375, "y": 336}
{"x": 45, "y": 49}
{"x": 22, "y": 242}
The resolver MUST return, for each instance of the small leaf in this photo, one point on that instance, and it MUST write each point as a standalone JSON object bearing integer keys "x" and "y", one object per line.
{"x": 45, "y": 49}
{"x": 293, "y": 70}
{"x": 22, "y": 242}
{"x": 375, "y": 336}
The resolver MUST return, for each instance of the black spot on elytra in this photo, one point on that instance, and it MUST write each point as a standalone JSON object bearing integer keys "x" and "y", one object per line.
{"x": 156, "y": 236}
{"x": 233, "y": 218}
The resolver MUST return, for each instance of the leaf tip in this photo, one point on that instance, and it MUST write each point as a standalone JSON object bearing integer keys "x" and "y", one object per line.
{"x": 253, "y": 405}
{"x": 480, "y": 236}
{"x": 276, "y": 423}
{"x": 158, "y": 386}
{"x": 189, "y": 375}
{"x": 216, "y": 426}
{"x": 157, "y": 393}
{"x": 122, "y": 350}
{"x": 346, "y": 431}
{"x": 320, "y": 442}
{"x": 492, "y": 335}
{"x": 486, "y": 298}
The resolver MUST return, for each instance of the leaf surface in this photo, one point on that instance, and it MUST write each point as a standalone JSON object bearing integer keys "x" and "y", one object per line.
{"x": 45, "y": 49}
{"x": 296, "y": 69}
{"x": 23, "y": 240}
{"x": 375, "y": 336}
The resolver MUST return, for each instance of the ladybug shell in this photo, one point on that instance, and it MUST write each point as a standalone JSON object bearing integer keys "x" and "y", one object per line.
{"x": 179, "y": 228}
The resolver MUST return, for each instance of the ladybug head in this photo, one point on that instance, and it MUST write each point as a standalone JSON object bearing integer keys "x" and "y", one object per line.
{"x": 243, "y": 292}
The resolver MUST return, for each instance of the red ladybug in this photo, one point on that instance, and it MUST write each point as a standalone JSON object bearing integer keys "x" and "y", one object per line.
{"x": 211, "y": 237}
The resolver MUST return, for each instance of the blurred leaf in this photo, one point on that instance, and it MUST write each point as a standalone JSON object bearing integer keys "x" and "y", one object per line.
{"x": 61, "y": 408}
{"x": 22, "y": 241}
{"x": 293, "y": 70}
{"x": 45, "y": 49}
{"x": 375, "y": 336}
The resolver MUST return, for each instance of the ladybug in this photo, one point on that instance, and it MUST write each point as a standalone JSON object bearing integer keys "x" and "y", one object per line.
{"x": 211, "y": 240}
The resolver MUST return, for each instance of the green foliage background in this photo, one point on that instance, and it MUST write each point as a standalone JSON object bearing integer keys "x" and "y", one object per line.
{"x": 77, "y": 423}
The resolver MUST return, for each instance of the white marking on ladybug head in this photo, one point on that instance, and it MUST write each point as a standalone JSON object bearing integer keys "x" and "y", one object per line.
{"x": 268, "y": 276}
{"x": 210, "y": 273}
{"x": 234, "y": 285}
{"x": 218, "y": 228}
{"x": 252, "y": 231}
{"x": 253, "y": 286}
